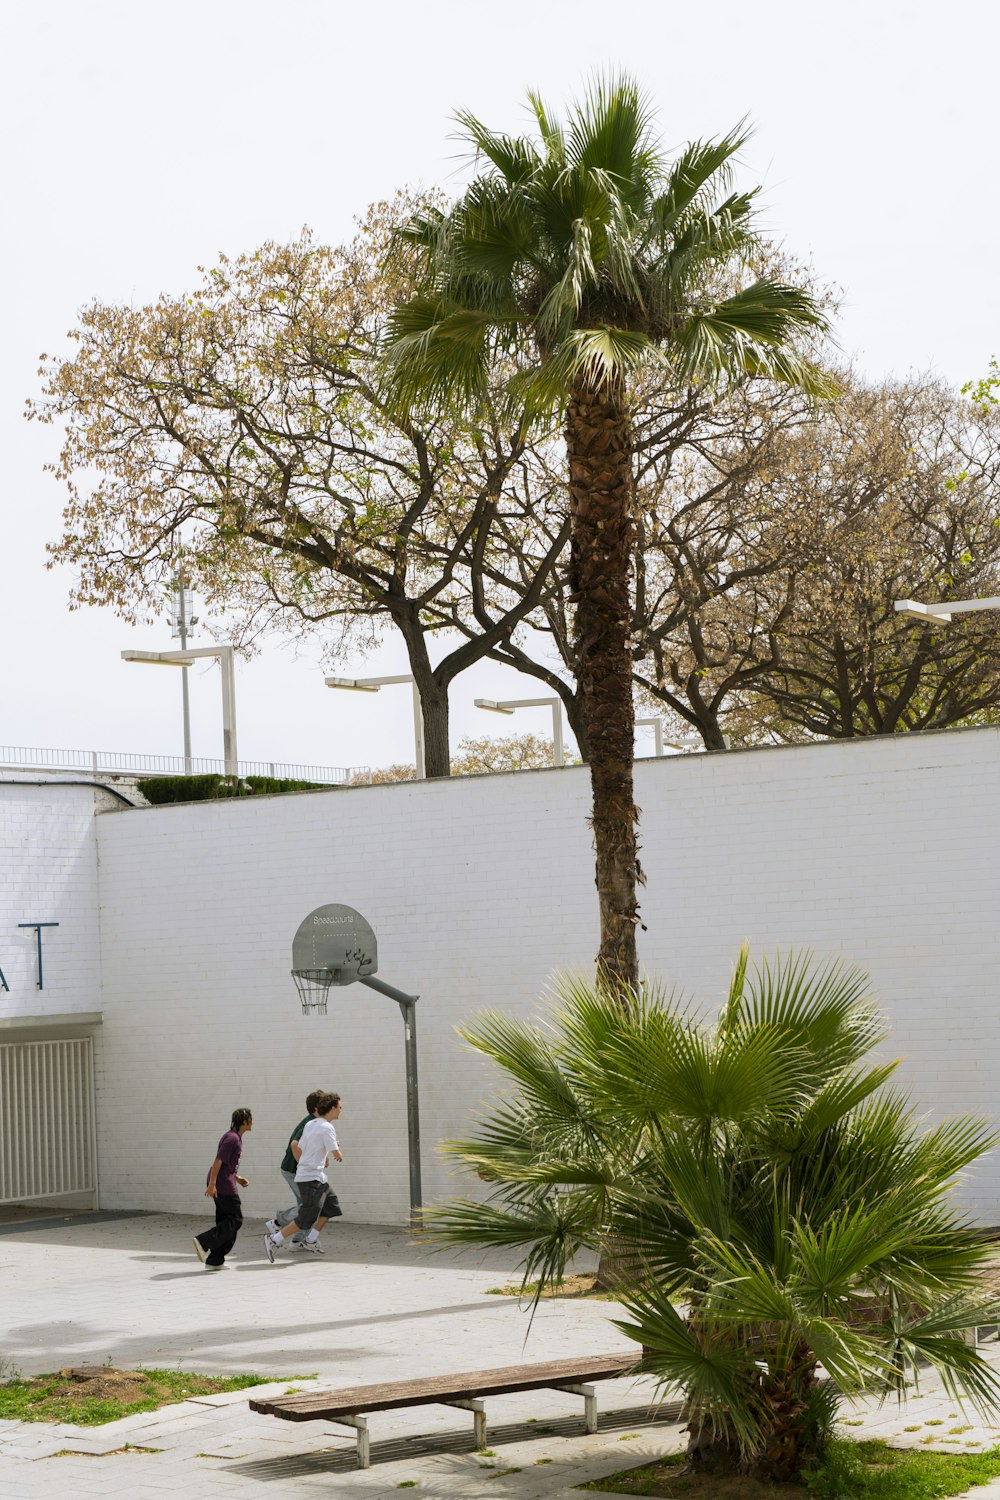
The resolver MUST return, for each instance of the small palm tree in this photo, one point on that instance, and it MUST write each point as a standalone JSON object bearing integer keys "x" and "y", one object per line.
{"x": 785, "y": 1220}
{"x": 570, "y": 264}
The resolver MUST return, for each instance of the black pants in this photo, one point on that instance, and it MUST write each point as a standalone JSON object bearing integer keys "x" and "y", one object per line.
{"x": 228, "y": 1223}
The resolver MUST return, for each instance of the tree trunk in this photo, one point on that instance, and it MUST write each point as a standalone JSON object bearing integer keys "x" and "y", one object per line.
{"x": 434, "y": 710}
{"x": 711, "y": 734}
{"x": 598, "y": 441}
{"x": 577, "y": 725}
{"x": 792, "y": 1428}
{"x": 433, "y": 697}
{"x": 713, "y": 1448}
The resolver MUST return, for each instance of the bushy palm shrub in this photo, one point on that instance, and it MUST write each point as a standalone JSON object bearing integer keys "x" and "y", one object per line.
{"x": 784, "y": 1219}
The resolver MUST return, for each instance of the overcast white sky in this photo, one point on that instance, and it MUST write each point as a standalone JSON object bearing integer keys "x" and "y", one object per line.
{"x": 139, "y": 141}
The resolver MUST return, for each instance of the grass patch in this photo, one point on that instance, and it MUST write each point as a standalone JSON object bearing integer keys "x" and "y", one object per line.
{"x": 96, "y": 1394}
{"x": 851, "y": 1471}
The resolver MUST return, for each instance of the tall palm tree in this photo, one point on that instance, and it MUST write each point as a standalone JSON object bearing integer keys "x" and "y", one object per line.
{"x": 570, "y": 263}
{"x": 779, "y": 1212}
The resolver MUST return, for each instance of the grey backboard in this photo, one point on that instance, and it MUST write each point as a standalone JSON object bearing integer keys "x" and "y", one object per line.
{"x": 338, "y": 938}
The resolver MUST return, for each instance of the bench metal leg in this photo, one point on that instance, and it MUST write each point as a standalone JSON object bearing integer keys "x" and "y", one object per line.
{"x": 589, "y": 1403}
{"x": 360, "y": 1424}
{"x": 478, "y": 1417}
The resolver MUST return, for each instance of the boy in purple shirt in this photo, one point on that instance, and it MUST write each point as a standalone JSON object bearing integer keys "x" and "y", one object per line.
{"x": 224, "y": 1183}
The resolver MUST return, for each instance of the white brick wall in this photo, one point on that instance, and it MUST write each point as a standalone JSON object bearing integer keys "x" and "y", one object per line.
{"x": 48, "y": 873}
{"x": 882, "y": 851}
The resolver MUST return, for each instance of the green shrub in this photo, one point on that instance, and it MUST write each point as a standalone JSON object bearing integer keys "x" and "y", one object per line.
{"x": 774, "y": 1218}
{"x": 163, "y": 789}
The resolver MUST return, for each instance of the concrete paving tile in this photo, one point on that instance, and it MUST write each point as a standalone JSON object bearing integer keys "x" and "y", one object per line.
{"x": 380, "y": 1311}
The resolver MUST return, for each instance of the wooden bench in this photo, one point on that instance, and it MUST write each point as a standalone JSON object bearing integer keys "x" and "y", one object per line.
{"x": 348, "y": 1408}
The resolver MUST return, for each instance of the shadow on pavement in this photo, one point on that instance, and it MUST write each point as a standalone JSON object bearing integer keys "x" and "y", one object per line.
{"x": 351, "y": 1244}
{"x": 343, "y": 1458}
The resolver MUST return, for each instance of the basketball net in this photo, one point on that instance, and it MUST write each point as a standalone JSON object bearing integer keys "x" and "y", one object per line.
{"x": 313, "y": 986}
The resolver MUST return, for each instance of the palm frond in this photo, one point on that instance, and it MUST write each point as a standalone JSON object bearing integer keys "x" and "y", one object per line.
{"x": 612, "y": 129}
{"x": 734, "y": 1000}
{"x": 708, "y": 1366}
{"x": 551, "y": 132}
{"x": 527, "y": 1057}
{"x": 435, "y": 346}
{"x": 825, "y": 1008}
{"x": 515, "y": 157}
{"x": 701, "y": 165}
{"x": 845, "y": 1091}
{"x": 563, "y": 300}
{"x": 551, "y": 1232}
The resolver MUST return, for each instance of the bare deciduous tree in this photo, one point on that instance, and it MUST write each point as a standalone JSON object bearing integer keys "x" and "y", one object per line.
{"x": 243, "y": 429}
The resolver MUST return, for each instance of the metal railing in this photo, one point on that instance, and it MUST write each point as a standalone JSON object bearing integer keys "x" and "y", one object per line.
{"x": 121, "y": 763}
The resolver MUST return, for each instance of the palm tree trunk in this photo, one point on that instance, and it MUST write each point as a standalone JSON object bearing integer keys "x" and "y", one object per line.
{"x": 598, "y": 441}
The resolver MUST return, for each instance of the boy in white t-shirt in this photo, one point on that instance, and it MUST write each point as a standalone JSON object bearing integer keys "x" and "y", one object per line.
{"x": 317, "y": 1143}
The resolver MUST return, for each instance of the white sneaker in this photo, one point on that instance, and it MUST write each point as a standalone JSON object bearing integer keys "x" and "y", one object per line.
{"x": 269, "y": 1248}
{"x": 271, "y": 1225}
{"x": 200, "y": 1251}
{"x": 313, "y": 1246}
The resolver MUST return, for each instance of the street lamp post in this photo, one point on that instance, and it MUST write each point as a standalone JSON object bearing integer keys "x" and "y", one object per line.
{"x": 372, "y": 685}
{"x": 508, "y": 706}
{"x": 657, "y": 728}
{"x": 181, "y": 623}
{"x": 225, "y": 657}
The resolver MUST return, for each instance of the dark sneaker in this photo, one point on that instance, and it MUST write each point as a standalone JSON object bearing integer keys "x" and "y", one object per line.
{"x": 200, "y": 1251}
{"x": 269, "y": 1248}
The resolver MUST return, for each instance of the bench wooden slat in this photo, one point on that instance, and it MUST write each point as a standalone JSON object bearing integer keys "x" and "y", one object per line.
{"x": 315, "y": 1406}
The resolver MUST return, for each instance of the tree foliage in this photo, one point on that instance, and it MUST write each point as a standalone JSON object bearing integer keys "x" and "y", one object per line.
{"x": 475, "y": 757}
{"x": 242, "y": 431}
{"x": 901, "y": 480}
{"x": 506, "y": 752}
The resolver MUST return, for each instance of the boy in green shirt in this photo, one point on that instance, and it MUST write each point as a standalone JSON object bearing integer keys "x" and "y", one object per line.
{"x": 289, "y": 1162}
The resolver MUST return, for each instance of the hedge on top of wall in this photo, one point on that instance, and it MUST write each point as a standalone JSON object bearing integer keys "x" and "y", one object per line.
{"x": 160, "y": 789}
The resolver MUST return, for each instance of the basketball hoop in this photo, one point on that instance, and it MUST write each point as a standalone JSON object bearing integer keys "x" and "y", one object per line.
{"x": 333, "y": 947}
{"x": 313, "y": 986}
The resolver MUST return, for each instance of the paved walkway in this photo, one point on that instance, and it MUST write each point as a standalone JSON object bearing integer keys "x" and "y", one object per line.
{"x": 129, "y": 1291}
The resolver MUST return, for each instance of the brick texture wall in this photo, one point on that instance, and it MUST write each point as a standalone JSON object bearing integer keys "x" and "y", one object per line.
{"x": 177, "y": 923}
{"x": 48, "y": 873}
{"x": 884, "y": 852}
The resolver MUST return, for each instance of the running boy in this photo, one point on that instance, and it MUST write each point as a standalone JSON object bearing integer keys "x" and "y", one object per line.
{"x": 317, "y": 1144}
{"x": 223, "y": 1185}
{"x": 289, "y": 1162}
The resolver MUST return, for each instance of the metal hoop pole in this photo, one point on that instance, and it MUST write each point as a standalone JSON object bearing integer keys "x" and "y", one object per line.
{"x": 408, "y": 1006}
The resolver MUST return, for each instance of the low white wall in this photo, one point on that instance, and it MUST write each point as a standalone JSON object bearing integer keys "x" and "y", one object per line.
{"x": 882, "y": 851}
